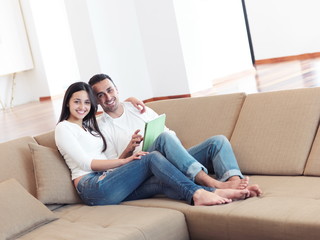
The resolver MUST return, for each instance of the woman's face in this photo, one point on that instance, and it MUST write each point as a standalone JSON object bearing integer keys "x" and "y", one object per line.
{"x": 79, "y": 106}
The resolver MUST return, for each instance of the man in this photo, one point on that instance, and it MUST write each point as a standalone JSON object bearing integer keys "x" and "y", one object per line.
{"x": 122, "y": 124}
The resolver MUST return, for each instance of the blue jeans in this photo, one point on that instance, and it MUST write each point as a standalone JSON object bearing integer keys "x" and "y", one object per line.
{"x": 214, "y": 154}
{"x": 136, "y": 180}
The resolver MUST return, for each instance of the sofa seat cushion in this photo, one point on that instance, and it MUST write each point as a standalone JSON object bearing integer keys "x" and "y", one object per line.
{"x": 113, "y": 222}
{"x": 288, "y": 209}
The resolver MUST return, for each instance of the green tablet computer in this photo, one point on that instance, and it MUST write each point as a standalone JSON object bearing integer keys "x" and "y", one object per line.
{"x": 152, "y": 130}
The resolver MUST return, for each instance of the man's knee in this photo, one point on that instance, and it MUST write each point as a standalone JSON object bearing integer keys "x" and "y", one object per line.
{"x": 154, "y": 156}
{"x": 166, "y": 136}
{"x": 219, "y": 140}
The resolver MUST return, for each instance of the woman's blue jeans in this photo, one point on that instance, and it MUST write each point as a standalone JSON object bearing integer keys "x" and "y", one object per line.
{"x": 152, "y": 174}
{"x": 214, "y": 154}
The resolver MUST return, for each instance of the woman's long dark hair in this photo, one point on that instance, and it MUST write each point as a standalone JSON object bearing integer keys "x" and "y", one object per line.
{"x": 89, "y": 122}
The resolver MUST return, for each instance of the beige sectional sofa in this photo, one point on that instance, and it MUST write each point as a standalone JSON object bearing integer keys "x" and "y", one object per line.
{"x": 275, "y": 138}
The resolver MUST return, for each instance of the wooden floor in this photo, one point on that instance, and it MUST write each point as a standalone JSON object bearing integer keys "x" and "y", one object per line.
{"x": 39, "y": 117}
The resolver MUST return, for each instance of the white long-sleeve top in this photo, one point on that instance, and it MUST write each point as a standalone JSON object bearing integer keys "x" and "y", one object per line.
{"x": 78, "y": 147}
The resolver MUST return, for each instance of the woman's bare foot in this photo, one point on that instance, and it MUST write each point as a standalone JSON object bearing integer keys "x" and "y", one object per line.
{"x": 205, "y": 198}
{"x": 254, "y": 190}
{"x": 234, "y": 183}
{"x": 233, "y": 194}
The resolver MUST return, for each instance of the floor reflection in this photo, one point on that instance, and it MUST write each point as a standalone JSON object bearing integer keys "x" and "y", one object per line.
{"x": 269, "y": 77}
{"x": 288, "y": 75}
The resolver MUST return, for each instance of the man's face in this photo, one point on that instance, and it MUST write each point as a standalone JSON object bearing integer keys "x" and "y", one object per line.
{"x": 107, "y": 95}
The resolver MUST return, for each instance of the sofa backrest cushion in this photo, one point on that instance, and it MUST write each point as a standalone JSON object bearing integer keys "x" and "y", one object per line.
{"x": 196, "y": 119}
{"x": 275, "y": 131}
{"x": 46, "y": 139}
{"x": 16, "y": 162}
{"x": 313, "y": 162}
{"x": 53, "y": 177}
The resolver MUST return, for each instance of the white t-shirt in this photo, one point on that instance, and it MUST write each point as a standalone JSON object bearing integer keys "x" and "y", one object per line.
{"x": 118, "y": 131}
{"x": 78, "y": 147}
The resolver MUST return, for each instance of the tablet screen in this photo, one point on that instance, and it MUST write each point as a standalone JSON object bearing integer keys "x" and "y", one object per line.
{"x": 152, "y": 130}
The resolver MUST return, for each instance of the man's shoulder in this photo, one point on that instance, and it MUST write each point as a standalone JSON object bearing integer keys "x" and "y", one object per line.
{"x": 130, "y": 107}
{"x": 104, "y": 121}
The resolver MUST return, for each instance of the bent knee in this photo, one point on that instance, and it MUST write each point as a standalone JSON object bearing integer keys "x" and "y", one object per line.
{"x": 155, "y": 155}
{"x": 219, "y": 139}
{"x": 166, "y": 134}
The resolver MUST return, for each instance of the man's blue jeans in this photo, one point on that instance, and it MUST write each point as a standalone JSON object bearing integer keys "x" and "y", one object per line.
{"x": 143, "y": 178}
{"x": 214, "y": 154}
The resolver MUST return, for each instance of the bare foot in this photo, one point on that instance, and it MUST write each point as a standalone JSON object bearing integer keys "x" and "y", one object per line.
{"x": 205, "y": 198}
{"x": 254, "y": 190}
{"x": 234, "y": 183}
{"x": 233, "y": 194}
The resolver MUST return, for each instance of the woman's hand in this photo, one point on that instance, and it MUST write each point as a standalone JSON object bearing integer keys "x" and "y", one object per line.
{"x": 104, "y": 165}
{"x": 135, "y": 156}
{"x": 137, "y": 103}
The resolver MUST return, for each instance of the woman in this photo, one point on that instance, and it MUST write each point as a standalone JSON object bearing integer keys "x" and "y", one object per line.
{"x": 101, "y": 181}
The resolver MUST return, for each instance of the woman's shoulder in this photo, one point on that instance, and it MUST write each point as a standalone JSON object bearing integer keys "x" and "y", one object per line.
{"x": 62, "y": 125}
{"x": 66, "y": 127}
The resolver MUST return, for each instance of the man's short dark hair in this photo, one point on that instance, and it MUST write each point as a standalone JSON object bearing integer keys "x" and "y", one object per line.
{"x": 98, "y": 78}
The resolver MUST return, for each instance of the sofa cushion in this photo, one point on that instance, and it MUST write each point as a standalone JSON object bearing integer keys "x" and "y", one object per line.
{"x": 46, "y": 139}
{"x": 196, "y": 119}
{"x": 116, "y": 222}
{"x": 288, "y": 209}
{"x": 275, "y": 131}
{"x": 54, "y": 184}
{"x": 313, "y": 162}
{"x": 20, "y": 211}
{"x": 16, "y": 162}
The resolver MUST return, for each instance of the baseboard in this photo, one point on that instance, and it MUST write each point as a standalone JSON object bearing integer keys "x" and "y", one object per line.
{"x": 288, "y": 58}
{"x": 49, "y": 98}
{"x": 167, "y": 98}
{"x": 46, "y": 98}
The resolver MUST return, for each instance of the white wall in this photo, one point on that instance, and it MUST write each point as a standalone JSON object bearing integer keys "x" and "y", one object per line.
{"x": 55, "y": 65}
{"x": 119, "y": 46}
{"x": 83, "y": 38}
{"x": 162, "y": 47}
{"x": 55, "y": 43}
{"x": 15, "y": 55}
{"x": 143, "y": 45}
{"x": 214, "y": 40}
{"x": 284, "y": 28}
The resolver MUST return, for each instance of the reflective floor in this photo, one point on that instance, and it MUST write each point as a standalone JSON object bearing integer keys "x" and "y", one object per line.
{"x": 39, "y": 117}
{"x": 272, "y": 77}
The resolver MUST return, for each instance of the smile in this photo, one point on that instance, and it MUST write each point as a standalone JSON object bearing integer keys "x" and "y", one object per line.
{"x": 81, "y": 112}
{"x": 112, "y": 102}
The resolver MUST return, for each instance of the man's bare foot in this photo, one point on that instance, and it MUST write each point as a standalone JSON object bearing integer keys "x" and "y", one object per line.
{"x": 234, "y": 183}
{"x": 205, "y": 198}
{"x": 254, "y": 190}
{"x": 234, "y": 194}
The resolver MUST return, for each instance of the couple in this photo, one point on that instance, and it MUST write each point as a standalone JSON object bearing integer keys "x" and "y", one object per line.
{"x": 108, "y": 166}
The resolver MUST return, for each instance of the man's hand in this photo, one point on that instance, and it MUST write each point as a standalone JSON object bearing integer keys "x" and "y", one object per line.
{"x": 134, "y": 142}
{"x": 137, "y": 103}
